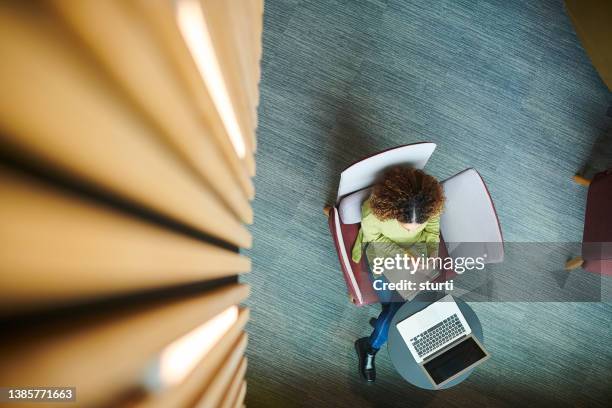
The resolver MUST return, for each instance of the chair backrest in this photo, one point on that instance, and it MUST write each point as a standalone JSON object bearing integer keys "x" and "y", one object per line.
{"x": 362, "y": 174}
{"x": 469, "y": 222}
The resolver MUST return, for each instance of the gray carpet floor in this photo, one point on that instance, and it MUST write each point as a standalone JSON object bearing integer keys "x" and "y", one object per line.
{"x": 503, "y": 86}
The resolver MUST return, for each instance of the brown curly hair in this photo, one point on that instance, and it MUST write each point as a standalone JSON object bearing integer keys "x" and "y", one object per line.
{"x": 407, "y": 195}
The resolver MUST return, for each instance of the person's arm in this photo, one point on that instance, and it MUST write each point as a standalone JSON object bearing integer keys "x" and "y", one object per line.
{"x": 431, "y": 236}
{"x": 370, "y": 232}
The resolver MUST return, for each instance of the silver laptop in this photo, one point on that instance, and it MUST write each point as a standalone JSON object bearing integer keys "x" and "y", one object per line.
{"x": 441, "y": 341}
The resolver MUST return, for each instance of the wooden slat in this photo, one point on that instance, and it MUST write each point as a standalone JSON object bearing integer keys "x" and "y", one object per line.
{"x": 160, "y": 16}
{"x": 221, "y": 27}
{"x": 240, "y": 399}
{"x": 242, "y": 26}
{"x": 250, "y": 23}
{"x": 60, "y": 109}
{"x": 257, "y": 38}
{"x": 256, "y": 10}
{"x": 213, "y": 394}
{"x": 186, "y": 393}
{"x": 248, "y": 19}
{"x": 124, "y": 44}
{"x": 231, "y": 394}
{"x": 253, "y": 11}
{"x": 105, "y": 355}
{"x": 224, "y": 32}
{"x": 57, "y": 246}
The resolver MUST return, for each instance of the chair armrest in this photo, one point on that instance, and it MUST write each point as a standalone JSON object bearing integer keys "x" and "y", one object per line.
{"x": 356, "y": 275}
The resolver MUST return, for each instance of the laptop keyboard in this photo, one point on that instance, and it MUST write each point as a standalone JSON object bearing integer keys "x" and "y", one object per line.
{"x": 437, "y": 335}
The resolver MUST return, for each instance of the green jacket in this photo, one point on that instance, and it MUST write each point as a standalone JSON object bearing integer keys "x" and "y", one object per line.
{"x": 392, "y": 232}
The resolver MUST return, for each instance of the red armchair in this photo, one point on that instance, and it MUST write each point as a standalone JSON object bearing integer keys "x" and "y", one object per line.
{"x": 469, "y": 216}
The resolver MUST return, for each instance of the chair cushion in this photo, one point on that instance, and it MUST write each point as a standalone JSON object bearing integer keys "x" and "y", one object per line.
{"x": 469, "y": 222}
{"x": 350, "y": 206}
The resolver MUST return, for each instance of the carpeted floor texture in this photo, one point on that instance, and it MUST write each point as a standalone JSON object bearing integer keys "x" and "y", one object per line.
{"x": 503, "y": 86}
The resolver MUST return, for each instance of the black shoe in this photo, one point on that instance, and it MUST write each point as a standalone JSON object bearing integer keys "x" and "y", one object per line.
{"x": 366, "y": 355}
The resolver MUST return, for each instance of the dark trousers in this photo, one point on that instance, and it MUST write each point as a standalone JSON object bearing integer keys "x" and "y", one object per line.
{"x": 381, "y": 328}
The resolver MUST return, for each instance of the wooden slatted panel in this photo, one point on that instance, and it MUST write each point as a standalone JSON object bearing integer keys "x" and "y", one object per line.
{"x": 132, "y": 56}
{"x": 104, "y": 140}
{"x": 187, "y": 392}
{"x": 231, "y": 394}
{"x": 214, "y": 392}
{"x": 90, "y": 248}
{"x": 110, "y": 98}
{"x": 161, "y": 17}
{"x": 105, "y": 356}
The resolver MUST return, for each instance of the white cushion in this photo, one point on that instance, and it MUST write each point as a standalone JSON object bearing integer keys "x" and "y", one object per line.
{"x": 363, "y": 173}
{"x": 350, "y": 206}
{"x": 469, "y": 224}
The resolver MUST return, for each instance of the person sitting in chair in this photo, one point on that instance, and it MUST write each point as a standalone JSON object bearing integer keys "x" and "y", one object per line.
{"x": 402, "y": 211}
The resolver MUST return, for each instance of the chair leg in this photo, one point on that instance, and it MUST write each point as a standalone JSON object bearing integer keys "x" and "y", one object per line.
{"x": 326, "y": 210}
{"x": 574, "y": 263}
{"x": 579, "y": 179}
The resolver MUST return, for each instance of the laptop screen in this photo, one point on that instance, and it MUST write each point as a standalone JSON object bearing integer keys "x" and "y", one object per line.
{"x": 454, "y": 360}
